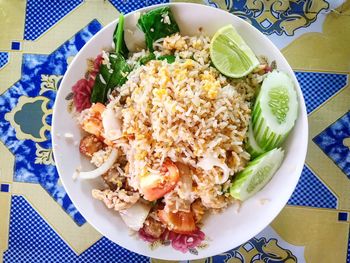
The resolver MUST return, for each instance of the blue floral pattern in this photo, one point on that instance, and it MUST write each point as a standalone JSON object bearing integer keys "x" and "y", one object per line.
{"x": 333, "y": 141}
{"x": 277, "y": 17}
{"x": 257, "y": 250}
{"x": 26, "y": 169}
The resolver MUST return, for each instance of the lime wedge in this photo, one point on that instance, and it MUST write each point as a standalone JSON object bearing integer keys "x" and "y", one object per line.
{"x": 256, "y": 174}
{"x": 230, "y": 54}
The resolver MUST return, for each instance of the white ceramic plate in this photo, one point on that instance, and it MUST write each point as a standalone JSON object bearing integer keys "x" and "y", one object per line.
{"x": 226, "y": 230}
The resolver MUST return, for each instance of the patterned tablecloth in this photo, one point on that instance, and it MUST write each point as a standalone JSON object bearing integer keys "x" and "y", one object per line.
{"x": 38, "y": 39}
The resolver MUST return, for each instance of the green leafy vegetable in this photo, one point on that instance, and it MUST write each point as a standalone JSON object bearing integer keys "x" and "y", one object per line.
{"x": 120, "y": 71}
{"x": 115, "y": 73}
{"x": 170, "y": 58}
{"x": 100, "y": 85}
{"x": 147, "y": 58}
{"x": 118, "y": 38}
{"x": 109, "y": 78}
{"x": 156, "y": 24}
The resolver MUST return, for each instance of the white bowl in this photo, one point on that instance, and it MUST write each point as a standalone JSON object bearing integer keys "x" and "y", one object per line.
{"x": 226, "y": 230}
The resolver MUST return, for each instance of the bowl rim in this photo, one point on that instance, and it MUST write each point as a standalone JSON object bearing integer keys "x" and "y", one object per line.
{"x": 303, "y": 144}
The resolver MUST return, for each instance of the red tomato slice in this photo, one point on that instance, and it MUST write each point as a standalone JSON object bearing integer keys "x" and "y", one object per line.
{"x": 180, "y": 222}
{"x": 155, "y": 186}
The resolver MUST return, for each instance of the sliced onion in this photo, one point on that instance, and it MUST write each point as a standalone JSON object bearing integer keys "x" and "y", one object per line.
{"x": 102, "y": 169}
{"x": 209, "y": 161}
{"x": 185, "y": 188}
{"x": 112, "y": 123}
{"x": 134, "y": 37}
{"x": 135, "y": 216}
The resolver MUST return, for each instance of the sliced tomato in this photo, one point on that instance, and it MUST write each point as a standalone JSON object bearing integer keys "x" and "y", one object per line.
{"x": 180, "y": 222}
{"x": 155, "y": 186}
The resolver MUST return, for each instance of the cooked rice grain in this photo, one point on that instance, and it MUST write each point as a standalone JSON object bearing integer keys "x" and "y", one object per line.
{"x": 185, "y": 111}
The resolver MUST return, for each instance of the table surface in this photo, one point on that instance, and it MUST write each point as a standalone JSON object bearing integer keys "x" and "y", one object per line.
{"x": 38, "y": 222}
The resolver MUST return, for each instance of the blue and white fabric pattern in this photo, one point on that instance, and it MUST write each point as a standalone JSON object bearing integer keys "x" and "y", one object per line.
{"x": 40, "y": 243}
{"x": 129, "y": 6}
{"x": 319, "y": 87}
{"x": 41, "y": 15}
{"x": 34, "y": 66}
{"x": 333, "y": 141}
{"x": 4, "y": 58}
{"x": 308, "y": 192}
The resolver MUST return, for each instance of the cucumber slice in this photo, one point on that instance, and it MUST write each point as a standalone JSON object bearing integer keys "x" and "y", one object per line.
{"x": 275, "y": 110}
{"x": 252, "y": 146}
{"x": 256, "y": 175}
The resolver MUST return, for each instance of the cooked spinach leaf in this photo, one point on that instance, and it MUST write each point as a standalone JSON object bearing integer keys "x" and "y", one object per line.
{"x": 115, "y": 74}
{"x": 100, "y": 86}
{"x": 120, "y": 71}
{"x": 98, "y": 90}
{"x": 156, "y": 24}
{"x": 118, "y": 38}
{"x": 147, "y": 58}
{"x": 109, "y": 78}
{"x": 170, "y": 58}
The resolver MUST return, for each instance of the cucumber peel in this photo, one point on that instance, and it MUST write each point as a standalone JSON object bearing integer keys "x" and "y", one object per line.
{"x": 252, "y": 146}
{"x": 256, "y": 174}
{"x": 275, "y": 110}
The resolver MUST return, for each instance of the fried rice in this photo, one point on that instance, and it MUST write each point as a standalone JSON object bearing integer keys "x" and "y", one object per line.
{"x": 185, "y": 112}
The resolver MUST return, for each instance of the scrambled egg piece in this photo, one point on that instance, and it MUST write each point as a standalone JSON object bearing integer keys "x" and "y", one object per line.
{"x": 159, "y": 92}
{"x": 140, "y": 155}
{"x": 164, "y": 77}
{"x": 189, "y": 63}
{"x": 210, "y": 85}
